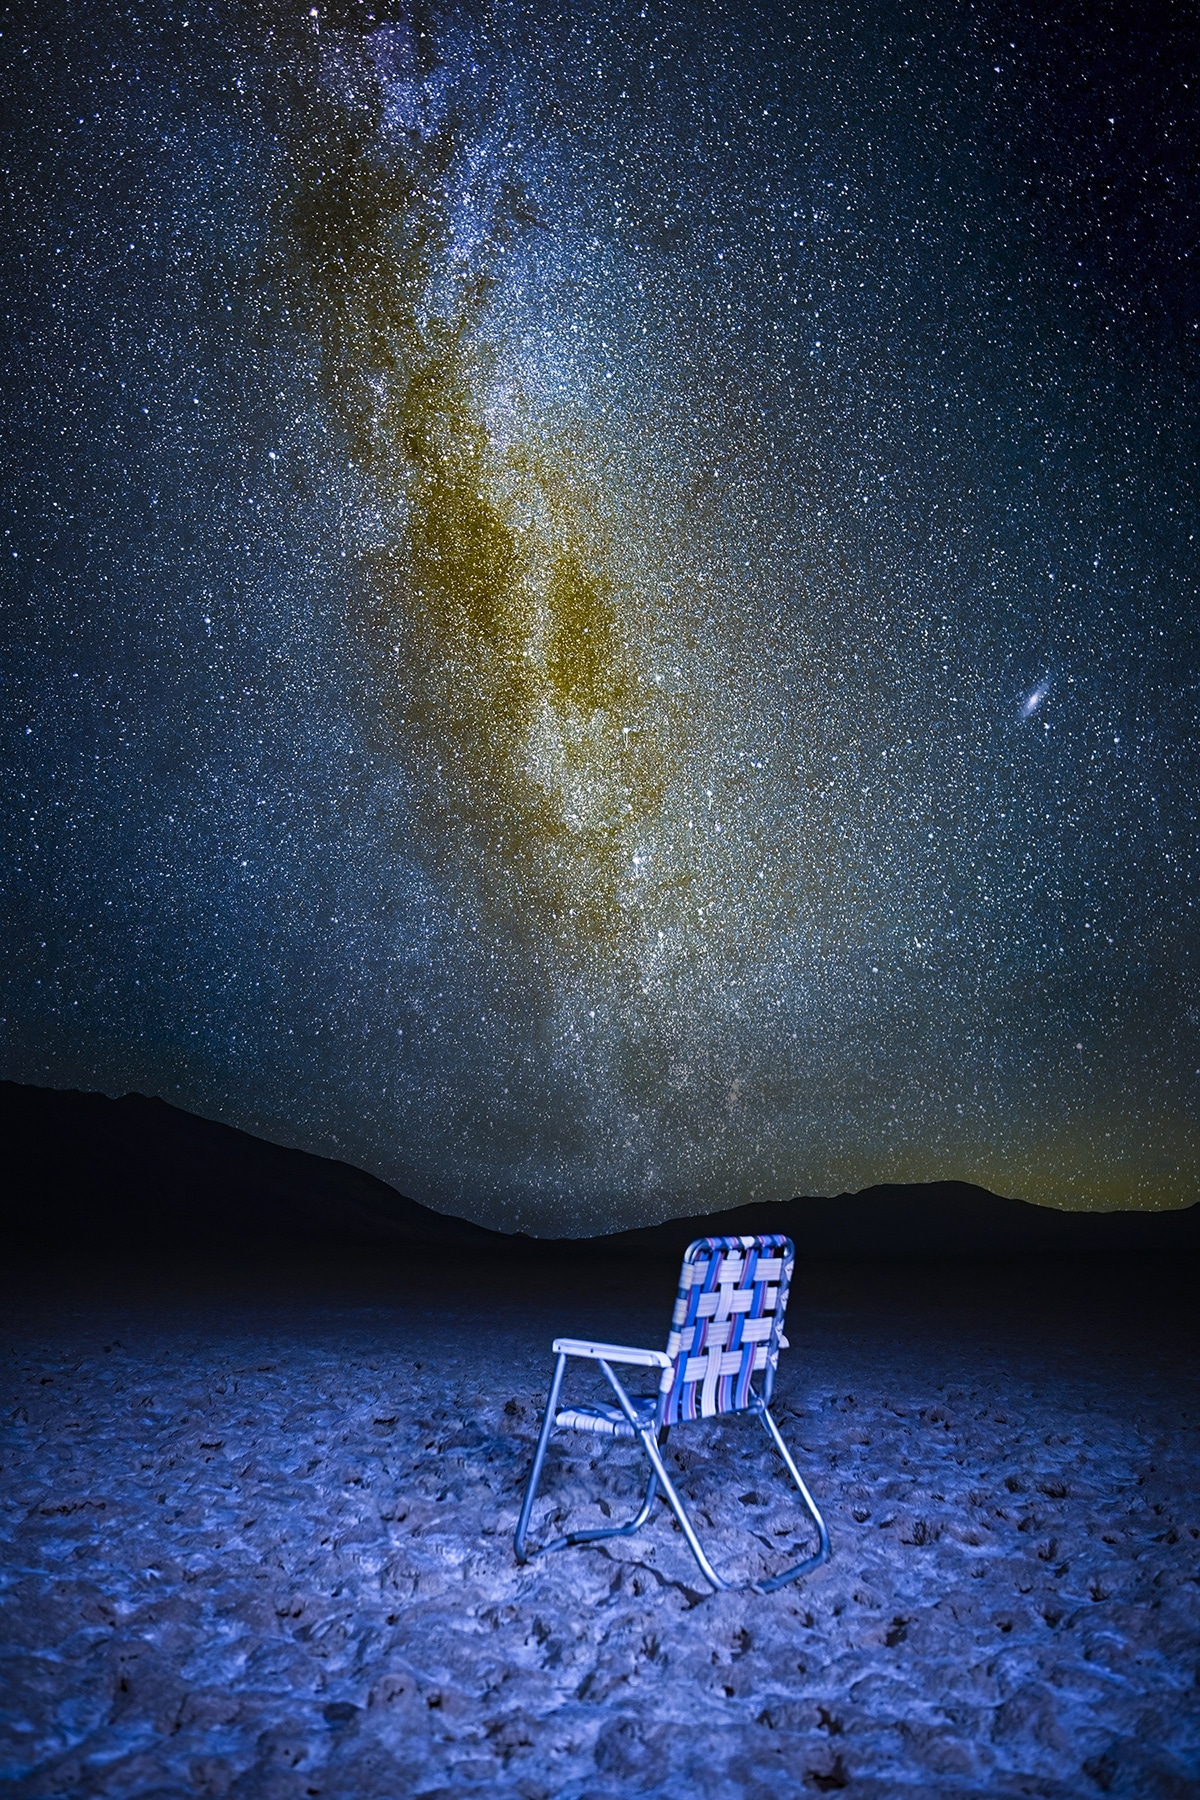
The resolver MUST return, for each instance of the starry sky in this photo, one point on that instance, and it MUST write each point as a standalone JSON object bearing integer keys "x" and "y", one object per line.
{"x": 600, "y": 603}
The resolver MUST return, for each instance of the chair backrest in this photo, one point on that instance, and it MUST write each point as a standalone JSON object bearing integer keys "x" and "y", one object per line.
{"x": 727, "y": 1325}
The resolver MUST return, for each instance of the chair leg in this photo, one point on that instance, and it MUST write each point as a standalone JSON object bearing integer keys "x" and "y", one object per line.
{"x": 539, "y": 1457}
{"x": 649, "y": 1440}
{"x": 612, "y": 1531}
{"x": 648, "y": 1437}
{"x": 525, "y": 1550}
{"x": 650, "y": 1446}
{"x": 822, "y": 1552}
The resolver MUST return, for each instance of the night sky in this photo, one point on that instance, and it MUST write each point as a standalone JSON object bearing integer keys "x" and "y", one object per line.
{"x": 601, "y": 603}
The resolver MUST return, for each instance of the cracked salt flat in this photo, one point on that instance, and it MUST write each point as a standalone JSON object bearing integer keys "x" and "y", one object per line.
{"x": 257, "y": 1541}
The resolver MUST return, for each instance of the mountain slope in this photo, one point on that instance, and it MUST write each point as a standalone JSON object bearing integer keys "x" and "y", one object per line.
{"x": 83, "y": 1170}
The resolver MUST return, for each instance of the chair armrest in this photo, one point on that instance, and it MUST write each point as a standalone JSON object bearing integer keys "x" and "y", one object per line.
{"x": 618, "y": 1353}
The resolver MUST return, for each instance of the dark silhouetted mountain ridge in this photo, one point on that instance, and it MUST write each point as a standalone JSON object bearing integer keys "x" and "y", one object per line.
{"x": 86, "y": 1171}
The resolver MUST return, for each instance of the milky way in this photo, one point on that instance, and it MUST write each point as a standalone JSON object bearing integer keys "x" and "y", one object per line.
{"x": 601, "y": 609}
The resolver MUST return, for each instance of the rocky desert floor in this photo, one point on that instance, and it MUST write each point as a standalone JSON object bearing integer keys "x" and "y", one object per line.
{"x": 257, "y": 1540}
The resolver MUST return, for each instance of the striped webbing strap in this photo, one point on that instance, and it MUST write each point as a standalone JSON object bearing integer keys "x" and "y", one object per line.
{"x": 727, "y": 1323}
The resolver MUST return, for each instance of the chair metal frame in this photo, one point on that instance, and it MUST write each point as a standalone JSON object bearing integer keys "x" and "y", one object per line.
{"x": 737, "y": 1323}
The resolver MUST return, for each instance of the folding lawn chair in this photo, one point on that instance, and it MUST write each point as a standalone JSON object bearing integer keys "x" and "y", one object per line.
{"x": 727, "y": 1327}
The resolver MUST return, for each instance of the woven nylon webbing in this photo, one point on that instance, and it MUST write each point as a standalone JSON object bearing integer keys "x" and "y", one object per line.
{"x": 727, "y": 1323}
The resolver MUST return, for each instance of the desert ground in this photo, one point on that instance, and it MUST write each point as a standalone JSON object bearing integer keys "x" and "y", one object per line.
{"x": 257, "y": 1539}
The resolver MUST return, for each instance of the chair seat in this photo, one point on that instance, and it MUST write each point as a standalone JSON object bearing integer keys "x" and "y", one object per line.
{"x": 608, "y": 1421}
